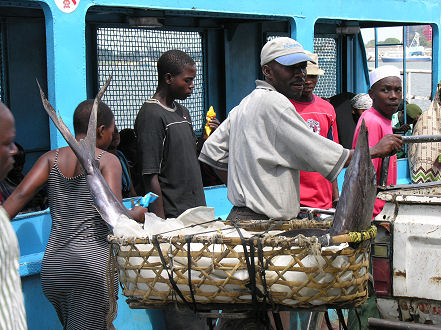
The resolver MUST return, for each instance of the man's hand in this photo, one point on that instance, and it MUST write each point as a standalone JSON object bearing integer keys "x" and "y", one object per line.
{"x": 213, "y": 124}
{"x": 138, "y": 213}
{"x": 387, "y": 146}
{"x": 402, "y": 129}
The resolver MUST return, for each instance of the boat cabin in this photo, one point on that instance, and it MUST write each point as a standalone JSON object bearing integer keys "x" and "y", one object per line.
{"x": 71, "y": 47}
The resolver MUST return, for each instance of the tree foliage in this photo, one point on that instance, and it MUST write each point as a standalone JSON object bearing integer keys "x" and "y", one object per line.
{"x": 371, "y": 43}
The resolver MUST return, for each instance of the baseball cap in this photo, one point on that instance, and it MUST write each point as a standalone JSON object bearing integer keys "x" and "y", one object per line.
{"x": 383, "y": 72}
{"x": 284, "y": 50}
{"x": 313, "y": 69}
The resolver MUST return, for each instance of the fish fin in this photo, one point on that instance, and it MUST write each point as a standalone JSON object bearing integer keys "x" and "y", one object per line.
{"x": 363, "y": 138}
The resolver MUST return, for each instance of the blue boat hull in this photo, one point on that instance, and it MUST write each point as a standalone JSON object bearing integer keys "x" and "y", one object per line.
{"x": 408, "y": 59}
{"x": 33, "y": 231}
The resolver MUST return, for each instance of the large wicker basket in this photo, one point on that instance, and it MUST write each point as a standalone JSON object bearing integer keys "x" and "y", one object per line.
{"x": 284, "y": 271}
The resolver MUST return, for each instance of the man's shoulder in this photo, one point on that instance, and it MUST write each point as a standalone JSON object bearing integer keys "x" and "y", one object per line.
{"x": 151, "y": 110}
{"x": 151, "y": 106}
{"x": 370, "y": 116}
{"x": 373, "y": 121}
{"x": 269, "y": 98}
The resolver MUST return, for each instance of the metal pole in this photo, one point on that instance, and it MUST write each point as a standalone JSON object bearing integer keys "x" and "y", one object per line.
{"x": 376, "y": 47}
{"x": 421, "y": 138}
{"x": 384, "y": 171}
{"x": 405, "y": 77}
{"x": 404, "y": 71}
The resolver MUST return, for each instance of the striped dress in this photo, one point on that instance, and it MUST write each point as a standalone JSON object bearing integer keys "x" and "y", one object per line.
{"x": 73, "y": 272}
{"x": 12, "y": 311}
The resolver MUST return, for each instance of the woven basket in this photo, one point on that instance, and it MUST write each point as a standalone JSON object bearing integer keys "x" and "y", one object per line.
{"x": 293, "y": 275}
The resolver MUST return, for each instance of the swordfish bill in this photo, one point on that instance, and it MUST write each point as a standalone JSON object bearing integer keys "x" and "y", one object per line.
{"x": 108, "y": 205}
{"x": 355, "y": 208}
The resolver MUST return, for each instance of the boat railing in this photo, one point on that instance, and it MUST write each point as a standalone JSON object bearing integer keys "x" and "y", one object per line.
{"x": 409, "y": 73}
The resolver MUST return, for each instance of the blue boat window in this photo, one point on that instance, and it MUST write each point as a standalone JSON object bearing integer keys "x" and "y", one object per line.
{"x": 131, "y": 55}
{"x": 326, "y": 48}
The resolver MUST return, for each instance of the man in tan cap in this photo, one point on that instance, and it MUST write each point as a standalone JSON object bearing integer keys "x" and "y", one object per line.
{"x": 319, "y": 115}
{"x": 264, "y": 142}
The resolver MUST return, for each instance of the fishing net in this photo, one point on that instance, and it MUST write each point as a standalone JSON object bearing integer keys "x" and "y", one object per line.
{"x": 294, "y": 272}
{"x": 425, "y": 158}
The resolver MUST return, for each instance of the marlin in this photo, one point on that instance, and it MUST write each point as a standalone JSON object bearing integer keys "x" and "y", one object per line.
{"x": 355, "y": 208}
{"x": 108, "y": 205}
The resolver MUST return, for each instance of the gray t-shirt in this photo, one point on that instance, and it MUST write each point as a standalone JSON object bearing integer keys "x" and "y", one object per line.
{"x": 167, "y": 147}
{"x": 264, "y": 143}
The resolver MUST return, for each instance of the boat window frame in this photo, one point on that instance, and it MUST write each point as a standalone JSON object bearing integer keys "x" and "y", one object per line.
{"x": 92, "y": 66}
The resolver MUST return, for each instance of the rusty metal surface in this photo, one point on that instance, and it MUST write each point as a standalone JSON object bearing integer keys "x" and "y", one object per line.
{"x": 427, "y": 312}
{"x": 416, "y": 244}
{"x": 412, "y": 186}
{"x": 374, "y": 323}
{"x": 426, "y": 193}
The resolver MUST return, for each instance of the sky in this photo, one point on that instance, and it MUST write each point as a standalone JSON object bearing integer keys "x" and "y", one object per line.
{"x": 383, "y": 33}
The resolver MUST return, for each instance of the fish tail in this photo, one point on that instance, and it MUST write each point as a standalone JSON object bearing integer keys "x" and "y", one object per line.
{"x": 354, "y": 210}
{"x": 85, "y": 148}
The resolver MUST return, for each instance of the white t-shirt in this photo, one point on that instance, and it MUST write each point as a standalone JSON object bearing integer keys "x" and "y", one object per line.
{"x": 263, "y": 144}
{"x": 12, "y": 311}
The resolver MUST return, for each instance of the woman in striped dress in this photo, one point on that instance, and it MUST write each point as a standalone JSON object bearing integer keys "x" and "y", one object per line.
{"x": 73, "y": 274}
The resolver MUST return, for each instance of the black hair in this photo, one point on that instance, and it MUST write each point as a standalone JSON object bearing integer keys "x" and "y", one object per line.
{"x": 82, "y": 114}
{"x": 173, "y": 62}
{"x": 127, "y": 137}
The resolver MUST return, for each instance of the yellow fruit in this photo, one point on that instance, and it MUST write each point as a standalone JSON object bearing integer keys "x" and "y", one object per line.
{"x": 210, "y": 115}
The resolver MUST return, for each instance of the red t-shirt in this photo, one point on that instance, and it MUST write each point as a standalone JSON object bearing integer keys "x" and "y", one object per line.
{"x": 315, "y": 190}
{"x": 378, "y": 126}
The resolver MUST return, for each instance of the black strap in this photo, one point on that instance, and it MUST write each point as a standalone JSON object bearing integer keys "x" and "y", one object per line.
{"x": 277, "y": 321}
{"x": 328, "y": 321}
{"x": 252, "y": 274}
{"x": 358, "y": 318}
{"x": 262, "y": 270}
{"x": 170, "y": 277}
{"x": 253, "y": 285}
{"x": 251, "y": 270}
{"x": 341, "y": 318}
{"x": 188, "y": 239}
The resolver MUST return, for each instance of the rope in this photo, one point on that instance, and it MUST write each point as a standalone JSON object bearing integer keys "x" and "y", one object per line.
{"x": 188, "y": 239}
{"x": 170, "y": 277}
{"x": 110, "y": 281}
{"x": 365, "y": 235}
{"x": 251, "y": 270}
{"x": 189, "y": 226}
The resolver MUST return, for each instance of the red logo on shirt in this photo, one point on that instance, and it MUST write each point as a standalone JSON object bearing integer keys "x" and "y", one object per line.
{"x": 314, "y": 125}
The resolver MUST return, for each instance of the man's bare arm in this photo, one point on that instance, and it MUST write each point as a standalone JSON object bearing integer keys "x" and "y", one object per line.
{"x": 223, "y": 175}
{"x": 387, "y": 146}
{"x": 151, "y": 184}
